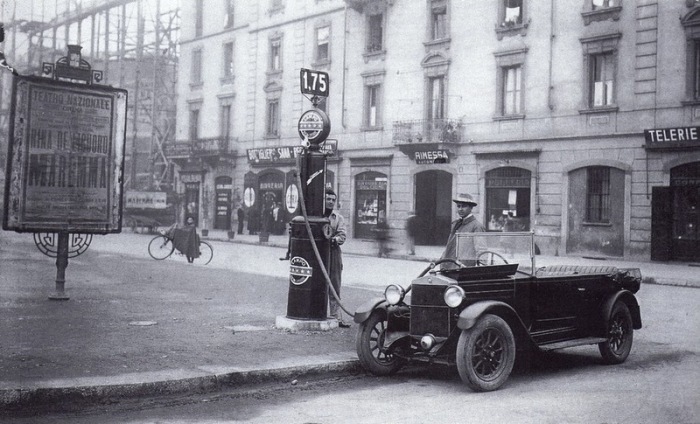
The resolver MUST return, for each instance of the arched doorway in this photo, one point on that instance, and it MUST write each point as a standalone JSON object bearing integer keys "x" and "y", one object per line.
{"x": 433, "y": 207}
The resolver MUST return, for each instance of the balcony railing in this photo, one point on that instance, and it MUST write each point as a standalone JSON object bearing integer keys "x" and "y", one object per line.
{"x": 199, "y": 147}
{"x": 428, "y": 131}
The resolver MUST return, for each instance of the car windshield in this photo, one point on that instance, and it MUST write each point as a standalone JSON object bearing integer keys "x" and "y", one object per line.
{"x": 479, "y": 249}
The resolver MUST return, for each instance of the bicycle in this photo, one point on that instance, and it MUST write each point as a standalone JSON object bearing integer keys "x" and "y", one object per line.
{"x": 162, "y": 246}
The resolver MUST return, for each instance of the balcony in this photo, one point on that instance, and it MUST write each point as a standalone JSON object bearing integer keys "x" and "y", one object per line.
{"x": 421, "y": 134}
{"x": 359, "y": 5}
{"x": 210, "y": 150}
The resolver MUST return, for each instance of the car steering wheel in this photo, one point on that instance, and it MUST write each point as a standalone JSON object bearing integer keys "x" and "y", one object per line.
{"x": 489, "y": 260}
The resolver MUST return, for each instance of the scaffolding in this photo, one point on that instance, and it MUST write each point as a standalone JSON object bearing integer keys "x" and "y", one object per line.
{"x": 135, "y": 44}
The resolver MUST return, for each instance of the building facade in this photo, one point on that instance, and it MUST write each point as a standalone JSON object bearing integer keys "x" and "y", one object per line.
{"x": 575, "y": 119}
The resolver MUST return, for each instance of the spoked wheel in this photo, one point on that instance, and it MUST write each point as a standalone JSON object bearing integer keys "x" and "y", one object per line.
{"x": 488, "y": 257}
{"x": 618, "y": 345}
{"x": 160, "y": 247}
{"x": 486, "y": 354}
{"x": 206, "y": 253}
{"x": 369, "y": 344}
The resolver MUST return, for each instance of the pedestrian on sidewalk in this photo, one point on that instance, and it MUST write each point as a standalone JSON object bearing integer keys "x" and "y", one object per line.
{"x": 466, "y": 223}
{"x": 338, "y": 236}
{"x": 382, "y": 234}
{"x": 241, "y": 218}
{"x": 412, "y": 232}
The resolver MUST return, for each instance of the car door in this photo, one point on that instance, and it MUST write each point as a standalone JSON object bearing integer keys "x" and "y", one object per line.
{"x": 554, "y": 309}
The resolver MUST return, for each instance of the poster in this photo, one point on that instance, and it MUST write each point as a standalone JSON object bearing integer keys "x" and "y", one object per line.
{"x": 65, "y": 158}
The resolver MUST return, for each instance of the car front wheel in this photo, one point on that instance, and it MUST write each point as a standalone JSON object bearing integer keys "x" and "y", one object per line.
{"x": 370, "y": 347}
{"x": 486, "y": 354}
{"x": 618, "y": 345}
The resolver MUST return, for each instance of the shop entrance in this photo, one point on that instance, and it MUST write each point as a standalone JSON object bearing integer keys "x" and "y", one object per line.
{"x": 675, "y": 216}
{"x": 192, "y": 202}
{"x": 508, "y": 199}
{"x": 433, "y": 207}
{"x": 370, "y": 202}
{"x": 222, "y": 220}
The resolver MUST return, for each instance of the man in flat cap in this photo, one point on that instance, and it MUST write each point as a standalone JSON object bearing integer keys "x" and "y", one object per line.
{"x": 466, "y": 223}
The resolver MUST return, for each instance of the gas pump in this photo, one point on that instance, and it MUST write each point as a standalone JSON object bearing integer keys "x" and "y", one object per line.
{"x": 308, "y": 291}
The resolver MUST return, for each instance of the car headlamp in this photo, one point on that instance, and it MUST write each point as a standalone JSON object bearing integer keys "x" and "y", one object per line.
{"x": 394, "y": 294}
{"x": 454, "y": 295}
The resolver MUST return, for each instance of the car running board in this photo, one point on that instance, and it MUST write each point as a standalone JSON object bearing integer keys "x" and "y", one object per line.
{"x": 572, "y": 343}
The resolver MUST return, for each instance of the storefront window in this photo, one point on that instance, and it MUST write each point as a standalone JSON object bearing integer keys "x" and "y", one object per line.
{"x": 508, "y": 199}
{"x": 370, "y": 202}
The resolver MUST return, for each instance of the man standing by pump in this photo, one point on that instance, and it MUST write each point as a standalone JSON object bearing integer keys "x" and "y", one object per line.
{"x": 466, "y": 223}
{"x": 338, "y": 236}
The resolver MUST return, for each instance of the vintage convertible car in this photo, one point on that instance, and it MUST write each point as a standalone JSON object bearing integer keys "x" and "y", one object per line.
{"x": 478, "y": 317}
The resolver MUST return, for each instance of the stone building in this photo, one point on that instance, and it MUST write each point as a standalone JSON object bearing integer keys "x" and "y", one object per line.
{"x": 575, "y": 119}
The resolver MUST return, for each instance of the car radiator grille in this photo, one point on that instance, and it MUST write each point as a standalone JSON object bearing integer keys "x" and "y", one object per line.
{"x": 429, "y": 314}
{"x": 433, "y": 320}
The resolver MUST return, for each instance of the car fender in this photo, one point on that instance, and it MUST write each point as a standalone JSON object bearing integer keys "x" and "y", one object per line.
{"x": 471, "y": 314}
{"x": 631, "y": 302}
{"x": 363, "y": 312}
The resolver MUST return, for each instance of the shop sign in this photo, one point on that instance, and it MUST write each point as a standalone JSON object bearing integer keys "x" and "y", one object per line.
{"x": 370, "y": 185}
{"x": 431, "y": 156}
{"x": 146, "y": 199}
{"x": 286, "y": 154}
{"x": 191, "y": 178}
{"x": 272, "y": 185}
{"x": 679, "y": 137}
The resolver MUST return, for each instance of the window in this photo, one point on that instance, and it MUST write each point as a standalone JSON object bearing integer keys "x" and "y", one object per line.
{"x": 511, "y": 90}
{"x": 602, "y": 4}
{"x": 512, "y": 12}
{"x": 372, "y": 106}
{"x": 510, "y": 66}
{"x": 199, "y": 18}
{"x": 436, "y": 96}
{"x": 194, "y": 125}
{"x": 375, "y": 34}
{"x": 323, "y": 38}
{"x": 600, "y": 67}
{"x": 512, "y": 18}
{"x": 228, "y": 17}
{"x": 598, "y": 195}
{"x": 273, "y": 118}
{"x": 602, "y": 79}
{"x": 226, "y": 121}
{"x": 695, "y": 70}
{"x": 228, "y": 60}
{"x": 275, "y": 54}
{"x": 196, "y": 77}
{"x": 691, "y": 24}
{"x": 438, "y": 22}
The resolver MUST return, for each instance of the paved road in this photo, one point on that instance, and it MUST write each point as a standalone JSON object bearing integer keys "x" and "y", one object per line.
{"x": 657, "y": 384}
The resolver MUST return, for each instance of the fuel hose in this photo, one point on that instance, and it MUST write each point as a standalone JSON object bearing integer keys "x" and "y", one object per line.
{"x": 313, "y": 242}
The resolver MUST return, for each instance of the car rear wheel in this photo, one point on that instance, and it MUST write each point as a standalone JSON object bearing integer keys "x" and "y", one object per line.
{"x": 620, "y": 332}
{"x": 486, "y": 354}
{"x": 369, "y": 344}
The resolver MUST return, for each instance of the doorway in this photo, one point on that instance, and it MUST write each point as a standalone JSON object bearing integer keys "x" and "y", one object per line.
{"x": 433, "y": 207}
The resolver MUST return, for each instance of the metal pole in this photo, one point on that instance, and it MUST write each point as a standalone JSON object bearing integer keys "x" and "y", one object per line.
{"x": 61, "y": 265}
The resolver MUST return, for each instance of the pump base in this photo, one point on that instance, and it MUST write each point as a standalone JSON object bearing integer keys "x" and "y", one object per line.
{"x": 285, "y": 323}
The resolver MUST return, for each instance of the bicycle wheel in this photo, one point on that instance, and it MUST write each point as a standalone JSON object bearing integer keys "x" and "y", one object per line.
{"x": 160, "y": 247}
{"x": 206, "y": 252}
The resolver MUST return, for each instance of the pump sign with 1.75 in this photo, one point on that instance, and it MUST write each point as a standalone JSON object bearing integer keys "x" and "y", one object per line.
{"x": 314, "y": 82}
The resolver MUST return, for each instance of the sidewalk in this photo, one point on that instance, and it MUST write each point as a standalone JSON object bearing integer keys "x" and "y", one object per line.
{"x": 664, "y": 273}
{"x": 131, "y": 329}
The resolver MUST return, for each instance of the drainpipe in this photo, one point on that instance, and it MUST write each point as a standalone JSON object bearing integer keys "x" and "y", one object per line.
{"x": 551, "y": 54}
{"x": 345, "y": 45}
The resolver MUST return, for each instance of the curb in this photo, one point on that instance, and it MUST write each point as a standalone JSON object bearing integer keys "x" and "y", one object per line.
{"x": 18, "y": 399}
